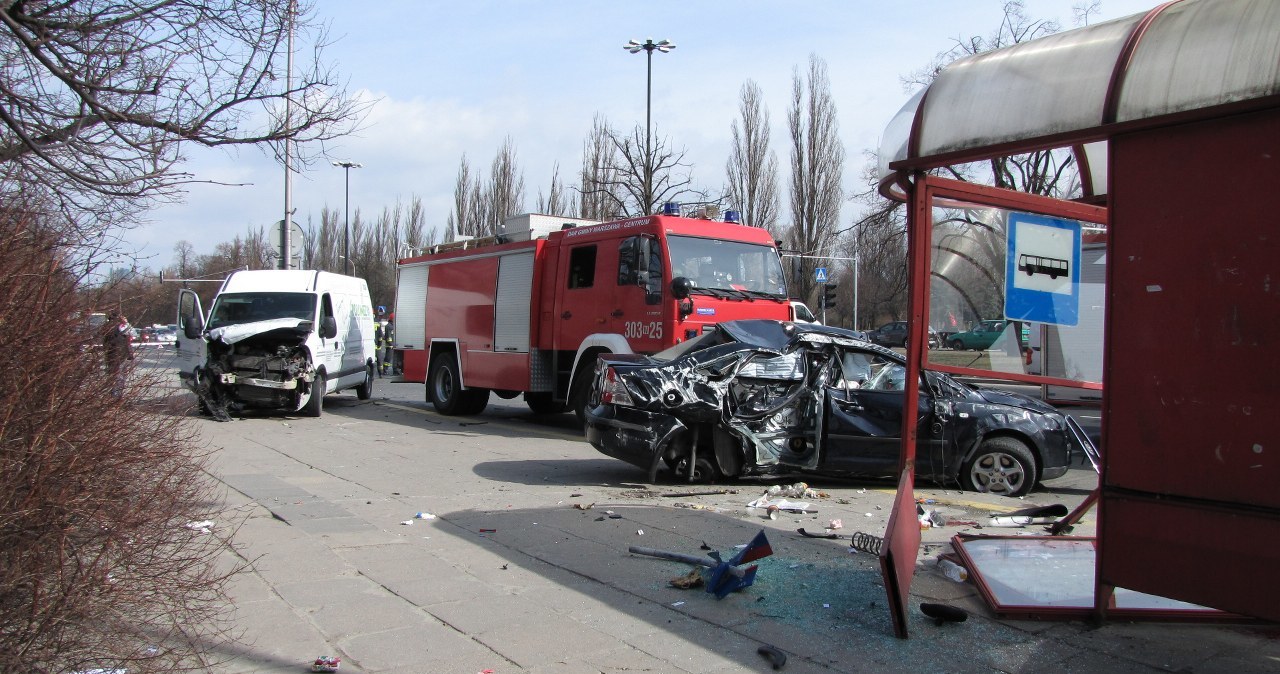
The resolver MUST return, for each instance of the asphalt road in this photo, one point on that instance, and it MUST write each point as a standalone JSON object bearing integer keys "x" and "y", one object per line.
{"x": 521, "y": 562}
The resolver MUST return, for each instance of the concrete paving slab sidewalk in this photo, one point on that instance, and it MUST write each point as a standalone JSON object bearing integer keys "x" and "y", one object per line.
{"x": 553, "y": 589}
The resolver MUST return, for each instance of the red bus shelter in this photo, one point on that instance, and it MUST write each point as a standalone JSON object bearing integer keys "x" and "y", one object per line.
{"x": 1173, "y": 117}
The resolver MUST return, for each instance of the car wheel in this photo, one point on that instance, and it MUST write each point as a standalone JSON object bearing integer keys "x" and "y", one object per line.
{"x": 315, "y": 404}
{"x": 542, "y": 403}
{"x": 704, "y": 470}
{"x": 365, "y": 390}
{"x": 957, "y": 345}
{"x": 1002, "y": 466}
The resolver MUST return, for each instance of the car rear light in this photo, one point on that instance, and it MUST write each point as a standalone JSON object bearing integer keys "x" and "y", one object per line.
{"x": 614, "y": 392}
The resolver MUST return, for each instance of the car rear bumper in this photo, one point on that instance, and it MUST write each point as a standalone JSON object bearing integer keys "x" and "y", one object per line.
{"x": 635, "y": 436}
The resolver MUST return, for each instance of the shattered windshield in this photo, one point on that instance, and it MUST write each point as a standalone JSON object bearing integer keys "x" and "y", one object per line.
{"x": 713, "y": 264}
{"x": 237, "y": 308}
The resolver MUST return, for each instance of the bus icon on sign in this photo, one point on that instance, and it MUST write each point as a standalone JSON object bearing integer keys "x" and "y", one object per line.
{"x": 1049, "y": 266}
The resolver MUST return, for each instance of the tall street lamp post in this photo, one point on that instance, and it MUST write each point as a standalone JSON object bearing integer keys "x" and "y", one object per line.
{"x": 346, "y": 229}
{"x": 648, "y": 46}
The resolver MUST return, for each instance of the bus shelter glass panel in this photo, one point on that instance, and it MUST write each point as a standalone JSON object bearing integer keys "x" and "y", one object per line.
{"x": 1018, "y": 293}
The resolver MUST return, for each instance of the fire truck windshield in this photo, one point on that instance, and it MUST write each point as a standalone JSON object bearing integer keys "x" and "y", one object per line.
{"x": 714, "y": 264}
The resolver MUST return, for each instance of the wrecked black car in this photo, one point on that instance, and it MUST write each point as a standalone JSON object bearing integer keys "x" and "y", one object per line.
{"x": 759, "y": 397}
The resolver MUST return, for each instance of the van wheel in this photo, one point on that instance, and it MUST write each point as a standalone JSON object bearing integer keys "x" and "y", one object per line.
{"x": 444, "y": 389}
{"x": 365, "y": 390}
{"x": 315, "y": 404}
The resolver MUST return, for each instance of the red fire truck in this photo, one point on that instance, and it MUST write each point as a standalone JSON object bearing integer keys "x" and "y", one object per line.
{"x": 528, "y": 312}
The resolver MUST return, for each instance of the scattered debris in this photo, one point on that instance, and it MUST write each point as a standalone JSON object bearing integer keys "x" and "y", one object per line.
{"x": 639, "y": 532}
{"x": 723, "y": 577}
{"x": 784, "y": 505}
{"x": 712, "y": 492}
{"x": 688, "y": 581}
{"x": 600, "y": 518}
{"x": 407, "y": 523}
{"x": 944, "y": 613}
{"x": 698, "y": 506}
{"x": 203, "y": 526}
{"x": 424, "y": 516}
{"x": 806, "y": 534}
{"x": 583, "y": 506}
{"x": 488, "y": 531}
{"x": 1055, "y": 510}
{"x": 614, "y": 516}
{"x": 775, "y": 657}
{"x": 574, "y": 495}
{"x": 835, "y": 524}
{"x": 678, "y": 603}
{"x": 797, "y": 490}
{"x": 1019, "y": 521}
{"x": 326, "y": 663}
{"x": 504, "y": 567}
{"x": 952, "y": 570}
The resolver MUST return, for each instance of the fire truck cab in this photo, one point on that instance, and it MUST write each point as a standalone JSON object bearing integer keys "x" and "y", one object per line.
{"x": 529, "y": 312}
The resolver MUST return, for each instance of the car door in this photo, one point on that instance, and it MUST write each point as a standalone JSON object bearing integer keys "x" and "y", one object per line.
{"x": 862, "y": 428}
{"x": 332, "y": 349}
{"x": 190, "y": 345}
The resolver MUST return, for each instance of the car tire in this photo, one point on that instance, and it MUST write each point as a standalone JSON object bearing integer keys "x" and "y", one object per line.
{"x": 315, "y": 403}
{"x": 365, "y": 390}
{"x": 957, "y": 345}
{"x": 705, "y": 470}
{"x": 1003, "y": 466}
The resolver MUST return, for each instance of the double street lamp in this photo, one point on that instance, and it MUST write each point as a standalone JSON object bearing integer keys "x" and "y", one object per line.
{"x": 648, "y": 47}
{"x": 346, "y": 229}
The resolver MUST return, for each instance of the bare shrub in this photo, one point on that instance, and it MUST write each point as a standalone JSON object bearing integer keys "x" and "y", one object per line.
{"x": 98, "y": 568}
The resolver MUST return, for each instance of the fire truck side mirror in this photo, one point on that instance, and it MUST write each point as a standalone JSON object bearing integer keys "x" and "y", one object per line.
{"x": 681, "y": 286}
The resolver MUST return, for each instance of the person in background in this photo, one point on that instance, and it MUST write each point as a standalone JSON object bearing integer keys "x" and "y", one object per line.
{"x": 378, "y": 338}
{"x": 116, "y": 349}
{"x": 388, "y": 340}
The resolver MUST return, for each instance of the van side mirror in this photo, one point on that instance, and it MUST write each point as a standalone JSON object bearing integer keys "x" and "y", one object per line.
{"x": 681, "y": 286}
{"x": 192, "y": 326}
{"x": 329, "y": 327}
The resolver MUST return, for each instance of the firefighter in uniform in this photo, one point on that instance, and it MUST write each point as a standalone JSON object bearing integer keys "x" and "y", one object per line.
{"x": 378, "y": 338}
{"x": 388, "y": 339}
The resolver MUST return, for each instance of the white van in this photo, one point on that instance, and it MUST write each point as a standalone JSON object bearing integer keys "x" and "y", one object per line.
{"x": 277, "y": 339}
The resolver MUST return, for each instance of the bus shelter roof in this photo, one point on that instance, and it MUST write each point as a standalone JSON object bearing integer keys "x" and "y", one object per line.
{"x": 1073, "y": 89}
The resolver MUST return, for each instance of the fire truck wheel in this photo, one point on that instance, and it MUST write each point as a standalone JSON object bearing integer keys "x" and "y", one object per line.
{"x": 365, "y": 390}
{"x": 444, "y": 389}
{"x": 315, "y": 404}
{"x": 542, "y": 403}
{"x": 581, "y": 392}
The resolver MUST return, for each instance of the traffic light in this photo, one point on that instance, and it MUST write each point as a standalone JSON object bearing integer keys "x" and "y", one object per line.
{"x": 828, "y": 294}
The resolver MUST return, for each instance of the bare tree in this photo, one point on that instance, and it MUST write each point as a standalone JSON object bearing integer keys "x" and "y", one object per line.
{"x": 184, "y": 252}
{"x": 98, "y": 97}
{"x": 599, "y": 196}
{"x": 461, "y": 221}
{"x": 619, "y": 179}
{"x": 817, "y": 161}
{"x": 752, "y": 168}
{"x": 99, "y": 569}
{"x": 504, "y": 195}
{"x": 555, "y": 203}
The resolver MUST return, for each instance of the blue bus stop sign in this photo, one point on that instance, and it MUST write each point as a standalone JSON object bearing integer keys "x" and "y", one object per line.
{"x": 1042, "y": 270}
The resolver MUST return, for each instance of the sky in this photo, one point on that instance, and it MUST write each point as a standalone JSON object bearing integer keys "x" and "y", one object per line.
{"x": 458, "y": 78}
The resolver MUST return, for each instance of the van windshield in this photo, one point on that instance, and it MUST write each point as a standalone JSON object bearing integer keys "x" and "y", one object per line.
{"x": 236, "y": 308}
